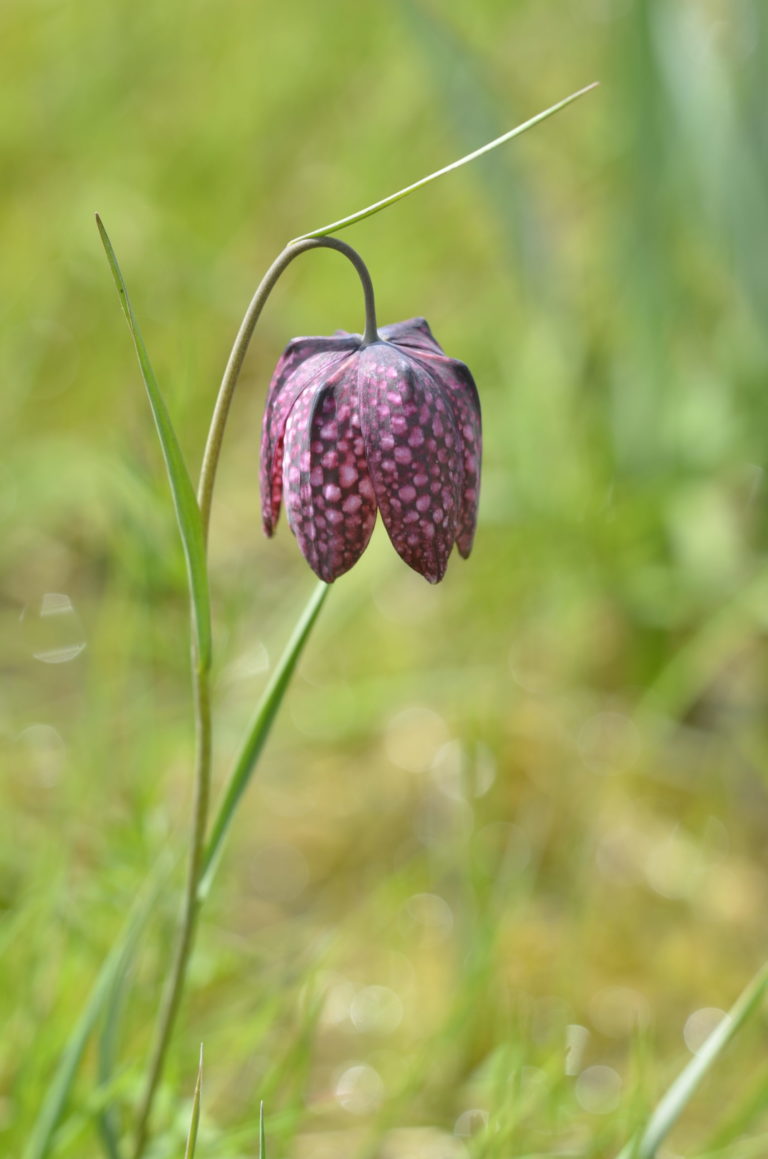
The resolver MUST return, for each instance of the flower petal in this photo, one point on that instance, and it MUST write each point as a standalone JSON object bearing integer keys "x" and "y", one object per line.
{"x": 413, "y": 333}
{"x": 414, "y": 456}
{"x": 303, "y": 362}
{"x": 328, "y": 491}
{"x": 459, "y": 387}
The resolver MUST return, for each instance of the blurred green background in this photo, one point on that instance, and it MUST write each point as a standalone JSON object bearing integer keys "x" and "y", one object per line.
{"x": 505, "y": 858}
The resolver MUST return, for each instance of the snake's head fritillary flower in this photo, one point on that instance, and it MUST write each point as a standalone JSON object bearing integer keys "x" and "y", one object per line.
{"x": 352, "y": 428}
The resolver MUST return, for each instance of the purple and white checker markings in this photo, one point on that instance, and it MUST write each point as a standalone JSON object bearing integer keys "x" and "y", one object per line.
{"x": 392, "y": 426}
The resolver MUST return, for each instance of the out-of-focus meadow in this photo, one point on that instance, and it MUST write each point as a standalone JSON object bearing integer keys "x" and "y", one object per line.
{"x": 505, "y": 856}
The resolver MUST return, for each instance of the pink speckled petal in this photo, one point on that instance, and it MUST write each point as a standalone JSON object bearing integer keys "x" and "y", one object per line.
{"x": 414, "y": 456}
{"x": 394, "y": 425}
{"x": 413, "y": 334}
{"x": 459, "y": 388}
{"x": 304, "y": 362}
{"x": 328, "y": 491}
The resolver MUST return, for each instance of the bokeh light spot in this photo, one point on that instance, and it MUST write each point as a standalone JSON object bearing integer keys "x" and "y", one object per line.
{"x": 699, "y": 1026}
{"x": 58, "y": 631}
{"x": 598, "y": 1089}
{"x": 359, "y": 1089}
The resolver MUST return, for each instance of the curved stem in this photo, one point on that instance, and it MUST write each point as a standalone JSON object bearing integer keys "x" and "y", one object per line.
{"x": 196, "y": 865}
{"x": 236, "y": 358}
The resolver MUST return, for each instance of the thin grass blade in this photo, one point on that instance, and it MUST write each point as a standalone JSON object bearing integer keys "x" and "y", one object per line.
{"x": 674, "y": 1101}
{"x": 109, "y": 1127}
{"x": 370, "y": 210}
{"x": 189, "y": 1152}
{"x": 182, "y": 491}
{"x": 257, "y": 735}
{"x": 54, "y": 1103}
{"x": 262, "y": 1136}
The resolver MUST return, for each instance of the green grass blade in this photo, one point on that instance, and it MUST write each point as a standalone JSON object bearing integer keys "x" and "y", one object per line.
{"x": 262, "y": 1136}
{"x": 369, "y": 211}
{"x": 674, "y": 1101}
{"x": 257, "y": 735}
{"x": 189, "y": 1152}
{"x": 182, "y": 491}
{"x": 109, "y": 1128}
{"x": 54, "y": 1102}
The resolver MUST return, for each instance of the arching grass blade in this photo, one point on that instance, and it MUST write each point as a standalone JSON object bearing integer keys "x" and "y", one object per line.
{"x": 257, "y": 735}
{"x": 370, "y": 210}
{"x": 674, "y": 1101}
{"x": 109, "y": 1129}
{"x": 54, "y": 1102}
{"x": 182, "y": 491}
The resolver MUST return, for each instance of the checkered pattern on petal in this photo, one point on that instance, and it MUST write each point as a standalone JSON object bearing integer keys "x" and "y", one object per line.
{"x": 328, "y": 492}
{"x": 414, "y": 456}
{"x": 304, "y": 362}
{"x": 349, "y": 429}
{"x": 459, "y": 388}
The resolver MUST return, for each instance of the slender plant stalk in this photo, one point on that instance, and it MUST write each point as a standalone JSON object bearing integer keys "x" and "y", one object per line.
{"x": 191, "y": 909}
{"x": 201, "y": 672}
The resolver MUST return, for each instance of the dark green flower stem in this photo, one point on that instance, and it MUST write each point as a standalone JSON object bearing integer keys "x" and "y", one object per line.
{"x": 201, "y": 673}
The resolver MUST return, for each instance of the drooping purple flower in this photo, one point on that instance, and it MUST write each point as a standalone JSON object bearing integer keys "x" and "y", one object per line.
{"x": 351, "y": 428}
